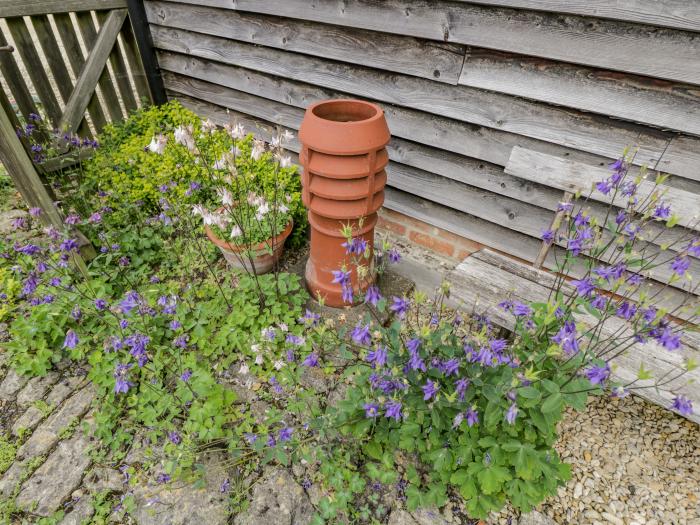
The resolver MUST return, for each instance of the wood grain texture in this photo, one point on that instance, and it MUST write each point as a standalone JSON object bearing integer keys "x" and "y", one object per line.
{"x": 133, "y": 58}
{"x": 522, "y": 217}
{"x": 34, "y": 68}
{"x": 488, "y": 278}
{"x": 10, "y": 8}
{"x": 94, "y": 68}
{"x": 597, "y": 135}
{"x": 120, "y": 69}
{"x": 653, "y": 102}
{"x": 87, "y": 29}
{"x": 15, "y": 81}
{"x": 464, "y": 224}
{"x": 573, "y": 176}
{"x": 677, "y": 14}
{"x": 575, "y": 39}
{"x": 436, "y": 61}
{"x": 74, "y": 53}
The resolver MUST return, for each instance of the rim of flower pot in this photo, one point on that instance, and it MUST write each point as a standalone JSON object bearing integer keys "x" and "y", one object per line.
{"x": 276, "y": 241}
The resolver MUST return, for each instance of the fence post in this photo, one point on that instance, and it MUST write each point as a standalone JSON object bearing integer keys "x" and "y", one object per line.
{"x": 142, "y": 33}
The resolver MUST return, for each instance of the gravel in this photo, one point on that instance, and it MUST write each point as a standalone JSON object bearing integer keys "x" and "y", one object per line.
{"x": 632, "y": 463}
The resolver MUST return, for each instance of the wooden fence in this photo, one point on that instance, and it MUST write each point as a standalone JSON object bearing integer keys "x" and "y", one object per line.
{"x": 496, "y": 107}
{"x": 78, "y": 64}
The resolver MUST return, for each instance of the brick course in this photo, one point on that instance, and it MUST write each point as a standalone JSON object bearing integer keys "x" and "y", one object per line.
{"x": 432, "y": 238}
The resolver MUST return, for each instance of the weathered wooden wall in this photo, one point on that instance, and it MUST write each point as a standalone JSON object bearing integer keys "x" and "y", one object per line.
{"x": 465, "y": 86}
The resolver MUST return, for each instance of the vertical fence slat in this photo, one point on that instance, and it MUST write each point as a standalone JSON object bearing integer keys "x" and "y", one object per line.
{"x": 142, "y": 33}
{"x": 56, "y": 62}
{"x": 133, "y": 58}
{"x": 87, "y": 29}
{"x": 67, "y": 32}
{"x": 15, "y": 81}
{"x": 119, "y": 68}
{"x": 35, "y": 70}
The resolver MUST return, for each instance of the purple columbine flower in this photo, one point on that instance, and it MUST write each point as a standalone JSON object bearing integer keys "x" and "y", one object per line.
{"x": 186, "y": 375}
{"x": 76, "y": 313}
{"x": 174, "y": 437}
{"x": 680, "y": 265}
{"x": 682, "y": 405}
{"x": 372, "y": 296}
{"x": 567, "y": 338}
{"x": 584, "y": 287}
{"x": 311, "y": 360}
{"x": 669, "y": 340}
{"x": 399, "y": 306}
{"x": 694, "y": 247}
{"x": 548, "y": 236}
{"x": 130, "y": 301}
{"x": 597, "y": 375}
{"x": 662, "y": 211}
{"x": 472, "y": 416}
{"x": 225, "y": 486}
{"x": 306, "y": 484}
{"x": 271, "y": 441}
{"x": 69, "y": 245}
{"x": 394, "y": 256}
{"x": 429, "y": 390}
{"x": 175, "y": 324}
{"x": 72, "y": 219}
{"x": 450, "y": 367}
{"x": 35, "y": 212}
{"x": 512, "y": 413}
{"x": 461, "y": 386}
{"x": 310, "y": 318}
{"x": 626, "y": 310}
{"x": 340, "y": 276}
{"x": 415, "y": 362}
{"x": 360, "y": 334}
{"x": 604, "y": 186}
{"x": 521, "y": 310}
{"x": 71, "y": 340}
{"x": 55, "y": 281}
{"x": 285, "y": 434}
{"x": 250, "y": 437}
{"x": 121, "y": 384}
{"x": 392, "y": 409}
{"x": 599, "y": 302}
{"x": 295, "y": 339}
{"x": 371, "y": 410}
{"x": 356, "y": 246}
{"x": 377, "y": 357}
{"x": 100, "y": 304}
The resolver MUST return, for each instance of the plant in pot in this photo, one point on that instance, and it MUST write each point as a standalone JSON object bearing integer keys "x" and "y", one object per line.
{"x": 251, "y": 195}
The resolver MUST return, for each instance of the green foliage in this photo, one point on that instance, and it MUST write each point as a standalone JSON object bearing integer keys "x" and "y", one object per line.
{"x": 8, "y": 451}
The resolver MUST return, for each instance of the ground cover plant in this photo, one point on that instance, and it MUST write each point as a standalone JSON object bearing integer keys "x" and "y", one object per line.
{"x": 434, "y": 402}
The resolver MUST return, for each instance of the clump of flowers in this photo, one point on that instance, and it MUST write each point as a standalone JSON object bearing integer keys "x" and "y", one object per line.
{"x": 479, "y": 411}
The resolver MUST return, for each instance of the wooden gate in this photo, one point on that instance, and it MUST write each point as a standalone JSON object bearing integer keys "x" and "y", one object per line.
{"x": 80, "y": 64}
{"x": 75, "y": 61}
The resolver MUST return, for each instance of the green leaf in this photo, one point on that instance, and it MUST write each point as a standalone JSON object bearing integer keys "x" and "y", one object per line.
{"x": 492, "y": 478}
{"x": 552, "y": 403}
{"x": 373, "y": 449}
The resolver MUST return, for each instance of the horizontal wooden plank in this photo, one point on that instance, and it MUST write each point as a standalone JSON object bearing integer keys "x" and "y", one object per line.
{"x": 436, "y": 61}
{"x": 573, "y": 176}
{"x": 590, "y": 41}
{"x": 507, "y": 241}
{"x": 476, "y": 280}
{"x": 597, "y": 135}
{"x": 10, "y": 8}
{"x": 678, "y": 14}
{"x": 654, "y": 102}
{"x": 520, "y": 216}
{"x": 464, "y": 224}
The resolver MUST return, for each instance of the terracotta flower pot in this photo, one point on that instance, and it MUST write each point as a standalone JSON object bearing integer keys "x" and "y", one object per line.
{"x": 344, "y": 156}
{"x": 263, "y": 261}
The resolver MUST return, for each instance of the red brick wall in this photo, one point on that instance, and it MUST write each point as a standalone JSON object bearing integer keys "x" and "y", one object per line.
{"x": 430, "y": 237}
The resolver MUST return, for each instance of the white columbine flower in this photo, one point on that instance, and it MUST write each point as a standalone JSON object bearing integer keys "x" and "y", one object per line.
{"x": 263, "y": 209}
{"x": 236, "y": 131}
{"x": 236, "y": 231}
{"x": 287, "y": 135}
{"x": 219, "y": 164}
{"x": 259, "y": 359}
{"x": 244, "y": 369}
{"x": 283, "y": 327}
{"x": 279, "y": 364}
{"x": 285, "y": 161}
{"x": 258, "y": 149}
{"x": 183, "y": 135}
{"x": 255, "y": 348}
{"x": 208, "y": 126}
{"x": 157, "y": 144}
{"x": 225, "y": 196}
{"x": 198, "y": 209}
{"x": 283, "y": 208}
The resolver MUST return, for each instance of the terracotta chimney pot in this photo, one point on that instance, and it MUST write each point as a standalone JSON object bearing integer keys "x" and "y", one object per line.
{"x": 344, "y": 156}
